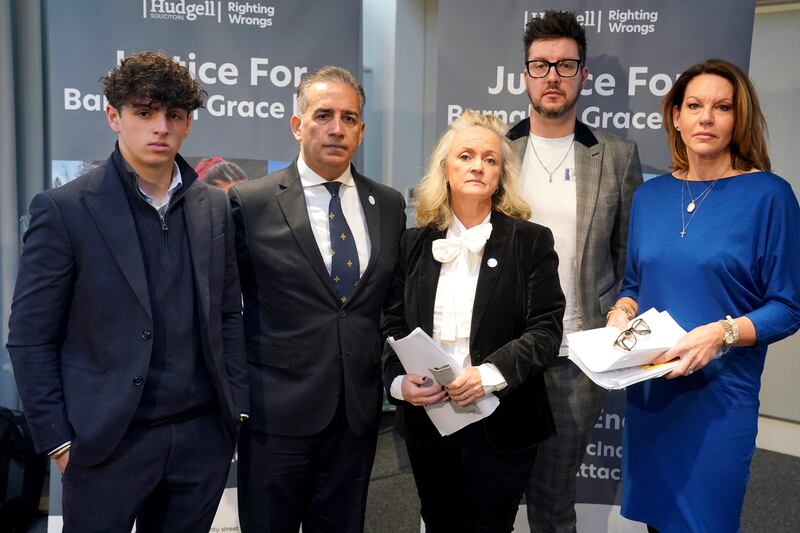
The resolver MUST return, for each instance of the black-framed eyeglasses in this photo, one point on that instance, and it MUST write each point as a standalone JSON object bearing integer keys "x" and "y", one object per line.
{"x": 566, "y": 68}
{"x": 627, "y": 339}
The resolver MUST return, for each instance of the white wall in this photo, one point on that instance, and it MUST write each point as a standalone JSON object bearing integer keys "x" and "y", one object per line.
{"x": 773, "y": 68}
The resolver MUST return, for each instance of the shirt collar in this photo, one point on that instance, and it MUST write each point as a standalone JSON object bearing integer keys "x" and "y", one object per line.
{"x": 309, "y": 178}
{"x": 177, "y": 181}
{"x": 456, "y": 228}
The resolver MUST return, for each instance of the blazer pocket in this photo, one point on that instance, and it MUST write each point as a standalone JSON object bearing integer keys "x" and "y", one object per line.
{"x": 266, "y": 355}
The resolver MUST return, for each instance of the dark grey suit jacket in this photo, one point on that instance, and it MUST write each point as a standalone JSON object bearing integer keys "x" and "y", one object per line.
{"x": 516, "y": 325}
{"x": 607, "y": 171}
{"x": 304, "y": 349}
{"x": 80, "y": 327}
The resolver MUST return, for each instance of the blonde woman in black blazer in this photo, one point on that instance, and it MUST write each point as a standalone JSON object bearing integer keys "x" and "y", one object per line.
{"x": 473, "y": 480}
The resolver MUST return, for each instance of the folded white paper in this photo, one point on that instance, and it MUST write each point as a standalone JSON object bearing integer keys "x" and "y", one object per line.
{"x": 593, "y": 351}
{"x": 419, "y": 354}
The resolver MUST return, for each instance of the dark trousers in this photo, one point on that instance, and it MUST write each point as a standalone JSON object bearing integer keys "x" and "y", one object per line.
{"x": 464, "y": 485}
{"x": 319, "y": 481}
{"x": 168, "y": 478}
{"x": 576, "y": 403}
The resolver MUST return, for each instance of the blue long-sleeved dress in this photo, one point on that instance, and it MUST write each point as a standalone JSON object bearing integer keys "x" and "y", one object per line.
{"x": 688, "y": 441}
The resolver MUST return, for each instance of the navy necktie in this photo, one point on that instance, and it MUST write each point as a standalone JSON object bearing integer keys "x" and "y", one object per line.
{"x": 344, "y": 259}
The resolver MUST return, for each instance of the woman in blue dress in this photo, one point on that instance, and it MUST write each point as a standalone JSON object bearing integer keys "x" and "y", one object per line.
{"x": 717, "y": 244}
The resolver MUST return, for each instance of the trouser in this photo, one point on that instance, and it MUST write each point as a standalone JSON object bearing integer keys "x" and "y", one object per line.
{"x": 168, "y": 478}
{"x": 576, "y": 403}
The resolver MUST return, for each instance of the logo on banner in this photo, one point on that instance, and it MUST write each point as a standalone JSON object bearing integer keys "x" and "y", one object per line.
{"x": 236, "y": 13}
{"x": 637, "y": 21}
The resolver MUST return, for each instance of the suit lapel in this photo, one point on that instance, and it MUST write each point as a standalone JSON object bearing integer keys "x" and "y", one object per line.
{"x": 588, "y": 167}
{"x": 428, "y": 281}
{"x": 293, "y": 204}
{"x": 106, "y": 201}
{"x": 495, "y": 254}
{"x": 372, "y": 215}
{"x": 197, "y": 210}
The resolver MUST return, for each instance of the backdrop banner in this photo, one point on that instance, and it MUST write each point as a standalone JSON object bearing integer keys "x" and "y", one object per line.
{"x": 636, "y": 49}
{"x": 249, "y": 55}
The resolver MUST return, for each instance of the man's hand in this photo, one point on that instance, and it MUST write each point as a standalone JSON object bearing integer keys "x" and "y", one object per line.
{"x": 62, "y": 461}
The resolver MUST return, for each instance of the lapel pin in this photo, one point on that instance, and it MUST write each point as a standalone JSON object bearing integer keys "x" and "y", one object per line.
{"x": 492, "y": 262}
{"x": 371, "y": 200}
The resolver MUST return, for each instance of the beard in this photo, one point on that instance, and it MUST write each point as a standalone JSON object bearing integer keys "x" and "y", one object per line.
{"x": 558, "y": 112}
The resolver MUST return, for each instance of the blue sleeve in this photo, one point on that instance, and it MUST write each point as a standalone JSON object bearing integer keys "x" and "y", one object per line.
{"x": 778, "y": 268}
{"x": 630, "y": 280}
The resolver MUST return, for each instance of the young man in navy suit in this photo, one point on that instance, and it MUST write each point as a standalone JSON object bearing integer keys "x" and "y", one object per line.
{"x": 126, "y": 331}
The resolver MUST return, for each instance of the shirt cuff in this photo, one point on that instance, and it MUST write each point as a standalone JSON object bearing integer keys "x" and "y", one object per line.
{"x": 491, "y": 378}
{"x": 396, "y": 390}
{"x": 59, "y": 448}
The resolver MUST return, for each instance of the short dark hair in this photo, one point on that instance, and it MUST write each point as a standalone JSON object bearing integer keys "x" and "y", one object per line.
{"x": 328, "y": 74}
{"x": 554, "y": 25}
{"x": 748, "y": 146}
{"x": 152, "y": 78}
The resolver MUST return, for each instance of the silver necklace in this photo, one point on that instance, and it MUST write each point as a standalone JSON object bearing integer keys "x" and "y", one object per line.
{"x": 539, "y": 159}
{"x": 691, "y": 207}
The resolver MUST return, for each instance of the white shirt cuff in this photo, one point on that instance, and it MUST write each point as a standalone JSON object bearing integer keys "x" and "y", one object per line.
{"x": 396, "y": 390}
{"x": 491, "y": 378}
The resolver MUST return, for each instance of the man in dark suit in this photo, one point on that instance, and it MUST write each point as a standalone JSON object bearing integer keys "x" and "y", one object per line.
{"x": 579, "y": 182}
{"x": 317, "y": 245}
{"x": 126, "y": 331}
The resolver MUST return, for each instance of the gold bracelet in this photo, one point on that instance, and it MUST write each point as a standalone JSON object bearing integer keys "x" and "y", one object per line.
{"x": 625, "y": 308}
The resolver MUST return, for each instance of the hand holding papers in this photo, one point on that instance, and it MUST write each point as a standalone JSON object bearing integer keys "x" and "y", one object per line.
{"x": 420, "y": 355}
{"x": 615, "y": 360}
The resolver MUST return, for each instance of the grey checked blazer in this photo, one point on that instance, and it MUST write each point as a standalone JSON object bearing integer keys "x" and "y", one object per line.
{"x": 607, "y": 170}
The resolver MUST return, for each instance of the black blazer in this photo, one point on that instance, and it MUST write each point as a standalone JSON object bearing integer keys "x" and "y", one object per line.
{"x": 79, "y": 331}
{"x": 516, "y": 325}
{"x": 302, "y": 346}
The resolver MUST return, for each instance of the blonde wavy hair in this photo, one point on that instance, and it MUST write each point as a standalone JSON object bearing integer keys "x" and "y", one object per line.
{"x": 433, "y": 191}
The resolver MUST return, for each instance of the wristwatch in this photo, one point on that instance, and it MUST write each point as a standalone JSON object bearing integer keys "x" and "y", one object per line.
{"x": 730, "y": 333}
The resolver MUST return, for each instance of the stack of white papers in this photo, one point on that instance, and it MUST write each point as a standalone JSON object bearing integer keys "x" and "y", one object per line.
{"x": 419, "y": 354}
{"x": 593, "y": 351}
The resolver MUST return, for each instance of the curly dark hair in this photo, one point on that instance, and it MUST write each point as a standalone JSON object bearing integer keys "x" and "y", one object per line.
{"x": 152, "y": 78}
{"x": 554, "y": 25}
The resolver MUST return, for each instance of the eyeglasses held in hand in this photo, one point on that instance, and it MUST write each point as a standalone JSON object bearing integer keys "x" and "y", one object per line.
{"x": 627, "y": 339}
{"x": 566, "y": 68}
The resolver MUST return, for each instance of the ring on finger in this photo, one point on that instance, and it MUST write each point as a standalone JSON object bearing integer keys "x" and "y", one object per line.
{"x": 689, "y": 371}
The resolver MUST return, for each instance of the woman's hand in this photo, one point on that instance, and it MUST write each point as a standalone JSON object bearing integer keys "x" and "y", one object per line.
{"x": 695, "y": 350}
{"x": 419, "y": 390}
{"x": 621, "y": 313}
{"x": 618, "y": 319}
{"x": 467, "y": 387}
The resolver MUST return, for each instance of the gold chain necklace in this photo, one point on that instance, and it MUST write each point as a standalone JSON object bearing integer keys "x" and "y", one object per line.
{"x": 692, "y": 208}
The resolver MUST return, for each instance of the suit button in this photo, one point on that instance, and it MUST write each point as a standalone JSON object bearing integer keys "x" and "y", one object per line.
{"x": 147, "y": 334}
{"x": 342, "y": 314}
{"x": 339, "y": 355}
{"x": 138, "y": 381}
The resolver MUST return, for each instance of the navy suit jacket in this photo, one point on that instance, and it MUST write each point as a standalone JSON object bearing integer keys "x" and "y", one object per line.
{"x": 306, "y": 352}
{"x": 516, "y": 325}
{"x": 80, "y": 331}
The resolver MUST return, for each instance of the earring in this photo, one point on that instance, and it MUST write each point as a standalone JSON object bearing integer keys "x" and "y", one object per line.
{"x": 677, "y": 127}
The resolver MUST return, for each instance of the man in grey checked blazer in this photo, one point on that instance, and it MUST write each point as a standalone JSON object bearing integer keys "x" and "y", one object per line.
{"x": 580, "y": 182}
